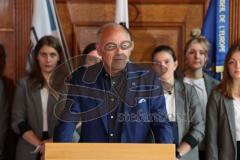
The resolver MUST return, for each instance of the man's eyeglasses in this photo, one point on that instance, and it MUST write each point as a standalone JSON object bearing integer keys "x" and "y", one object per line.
{"x": 111, "y": 46}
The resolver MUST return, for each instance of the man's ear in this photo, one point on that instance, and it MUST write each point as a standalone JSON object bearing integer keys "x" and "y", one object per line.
{"x": 176, "y": 65}
{"x": 98, "y": 49}
{"x": 132, "y": 45}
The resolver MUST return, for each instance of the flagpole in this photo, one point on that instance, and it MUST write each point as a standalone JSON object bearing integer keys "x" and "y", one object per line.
{"x": 121, "y": 12}
{"x": 65, "y": 47}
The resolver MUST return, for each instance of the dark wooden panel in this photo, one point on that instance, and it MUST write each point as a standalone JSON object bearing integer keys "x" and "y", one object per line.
{"x": 137, "y": 1}
{"x": 9, "y": 60}
{"x": 67, "y": 25}
{"x": 23, "y": 26}
{"x": 234, "y": 31}
{"x": 147, "y": 36}
{"x": 84, "y": 34}
{"x": 155, "y": 22}
{"x": 7, "y": 40}
{"x": 6, "y": 14}
{"x": 7, "y": 37}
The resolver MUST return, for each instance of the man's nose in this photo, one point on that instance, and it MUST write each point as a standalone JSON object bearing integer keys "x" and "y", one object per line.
{"x": 119, "y": 50}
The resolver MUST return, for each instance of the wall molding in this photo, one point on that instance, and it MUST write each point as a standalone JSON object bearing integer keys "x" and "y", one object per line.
{"x": 234, "y": 23}
{"x": 23, "y": 18}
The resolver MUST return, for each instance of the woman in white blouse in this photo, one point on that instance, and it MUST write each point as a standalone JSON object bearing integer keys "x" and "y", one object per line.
{"x": 196, "y": 57}
{"x": 33, "y": 107}
{"x": 223, "y": 112}
{"x": 182, "y": 105}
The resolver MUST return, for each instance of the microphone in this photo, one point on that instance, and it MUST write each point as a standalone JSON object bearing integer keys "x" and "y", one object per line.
{"x": 169, "y": 92}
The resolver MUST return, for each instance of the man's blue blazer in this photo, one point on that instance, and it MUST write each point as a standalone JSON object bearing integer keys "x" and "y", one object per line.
{"x": 144, "y": 111}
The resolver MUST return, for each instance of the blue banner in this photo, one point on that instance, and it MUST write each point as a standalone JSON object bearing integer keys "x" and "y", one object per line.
{"x": 215, "y": 29}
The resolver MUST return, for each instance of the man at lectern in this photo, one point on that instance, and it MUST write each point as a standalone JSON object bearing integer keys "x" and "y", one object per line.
{"x": 116, "y": 101}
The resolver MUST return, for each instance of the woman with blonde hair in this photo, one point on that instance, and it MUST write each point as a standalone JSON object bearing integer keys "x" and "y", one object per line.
{"x": 196, "y": 57}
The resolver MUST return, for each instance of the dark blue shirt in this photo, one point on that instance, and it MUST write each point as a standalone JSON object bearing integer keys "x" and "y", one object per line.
{"x": 114, "y": 85}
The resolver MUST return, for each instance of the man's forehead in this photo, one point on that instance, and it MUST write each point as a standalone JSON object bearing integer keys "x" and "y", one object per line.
{"x": 112, "y": 31}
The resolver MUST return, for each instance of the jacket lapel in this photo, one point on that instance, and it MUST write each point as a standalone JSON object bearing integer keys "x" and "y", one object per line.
{"x": 50, "y": 112}
{"x": 228, "y": 103}
{"x": 207, "y": 83}
{"x": 38, "y": 106}
{"x": 126, "y": 126}
{"x": 180, "y": 110}
{"x": 94, "y": 76}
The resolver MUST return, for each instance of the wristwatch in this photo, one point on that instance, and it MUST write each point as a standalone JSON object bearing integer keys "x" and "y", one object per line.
{"x": 178, "y": 155}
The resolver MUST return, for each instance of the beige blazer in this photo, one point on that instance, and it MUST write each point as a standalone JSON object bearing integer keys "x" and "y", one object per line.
{"x": 220, "y": 128}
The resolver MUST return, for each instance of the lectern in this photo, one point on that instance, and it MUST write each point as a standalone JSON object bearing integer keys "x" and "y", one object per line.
{"x": 109, "y": 151}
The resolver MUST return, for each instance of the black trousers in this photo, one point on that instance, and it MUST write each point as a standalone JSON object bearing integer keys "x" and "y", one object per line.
{"x": 175, "y": 132}
{"x": 238, "y": 150}
{"x": 44, "y": 137}
{"x": 202, "y": 155}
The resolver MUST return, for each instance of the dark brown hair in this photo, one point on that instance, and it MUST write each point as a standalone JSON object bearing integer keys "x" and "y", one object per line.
{"x": 89, "y": 48}
{"x": 170, "y": 51}
{"x": 36, "y": 78}
{"x": 165, "y": 48}
{"x": 225, "y": 86}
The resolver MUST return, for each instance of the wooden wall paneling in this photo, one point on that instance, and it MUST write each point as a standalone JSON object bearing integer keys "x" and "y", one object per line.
{"x": 155, "y": 21}
{"x": 234, "y": 22}
{"x": 189, "y": 14}
{"x": 137, "y": 1}
{"x": 6, "y": 14}
{"x": 8, "y": 60}
{"x": 7, "y": 37}
{"x": 172, "y": 24}
{"x": 84, "y": 34}
{"x": 65, "y": 20}
{"x": 238, "y": 22}
{"x": 148, "y": 36}
{"x": 84, "y": 19}
{"x": 23, "y": 12}
{"x": 7, "y": 40}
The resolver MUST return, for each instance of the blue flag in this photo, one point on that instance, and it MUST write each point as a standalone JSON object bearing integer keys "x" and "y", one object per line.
{"x": 215, "y": 29}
